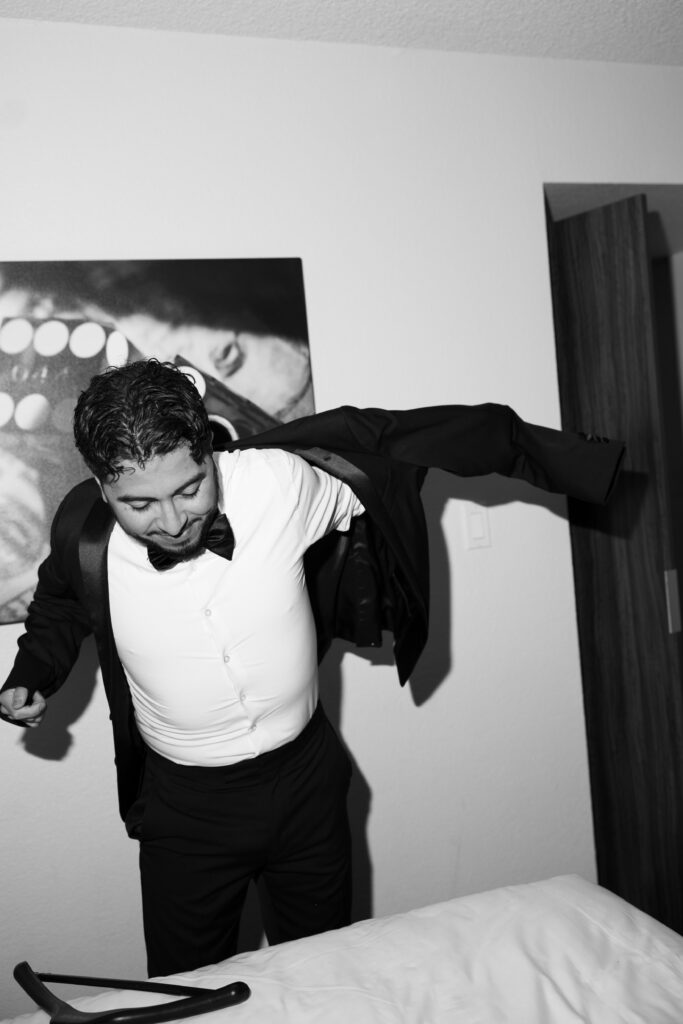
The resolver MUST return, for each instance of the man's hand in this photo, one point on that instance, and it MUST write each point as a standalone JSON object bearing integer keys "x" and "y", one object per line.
{"x": 13, "y": 706}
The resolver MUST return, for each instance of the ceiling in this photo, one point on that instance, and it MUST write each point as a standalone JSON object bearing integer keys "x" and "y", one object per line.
{"x": 630, "y": 31}
{"x": 627, "y": 31}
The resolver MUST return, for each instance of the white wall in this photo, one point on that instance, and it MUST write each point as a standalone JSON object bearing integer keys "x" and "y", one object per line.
{"x": 410, "y": 183}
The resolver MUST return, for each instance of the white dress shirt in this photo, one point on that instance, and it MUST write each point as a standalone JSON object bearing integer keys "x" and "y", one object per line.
{"x": 220, "y": 655}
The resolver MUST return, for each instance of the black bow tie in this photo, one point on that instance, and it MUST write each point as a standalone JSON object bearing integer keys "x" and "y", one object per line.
{"x": 220, "y": 539}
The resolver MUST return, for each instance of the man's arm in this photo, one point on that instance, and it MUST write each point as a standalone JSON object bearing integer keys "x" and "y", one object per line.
{"x": 324, "y": 502}
{"x": 56, "y": 625}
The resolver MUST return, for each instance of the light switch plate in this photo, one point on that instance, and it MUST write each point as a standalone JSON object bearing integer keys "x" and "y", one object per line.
{"x": 476, "y": 526}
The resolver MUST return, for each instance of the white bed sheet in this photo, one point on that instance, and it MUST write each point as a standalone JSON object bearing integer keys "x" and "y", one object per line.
{"x": 561, "y": 951}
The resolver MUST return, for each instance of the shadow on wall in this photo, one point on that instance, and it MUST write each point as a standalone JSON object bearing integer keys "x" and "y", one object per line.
{"x": 53, "y": 739}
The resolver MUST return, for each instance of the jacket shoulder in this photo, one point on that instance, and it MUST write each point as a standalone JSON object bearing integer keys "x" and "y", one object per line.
{"x": 72, "y": 514}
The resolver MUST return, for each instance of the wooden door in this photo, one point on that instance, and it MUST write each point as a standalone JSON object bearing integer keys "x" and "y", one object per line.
{"x": 608, "y": 370}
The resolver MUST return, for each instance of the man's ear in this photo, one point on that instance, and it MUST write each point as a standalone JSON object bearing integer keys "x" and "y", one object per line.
{"x": 102, "y": 494}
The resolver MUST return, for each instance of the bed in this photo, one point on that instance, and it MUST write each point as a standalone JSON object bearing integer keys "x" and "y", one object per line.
{"x": 560, "y": 951}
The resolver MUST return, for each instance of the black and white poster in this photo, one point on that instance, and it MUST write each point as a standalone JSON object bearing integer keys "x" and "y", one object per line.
{"x": 237, "y": 326}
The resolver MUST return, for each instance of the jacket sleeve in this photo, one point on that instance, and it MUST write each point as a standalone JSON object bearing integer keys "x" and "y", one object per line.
{"x": 56, "y": 623}
{"x": 468, "y": 440}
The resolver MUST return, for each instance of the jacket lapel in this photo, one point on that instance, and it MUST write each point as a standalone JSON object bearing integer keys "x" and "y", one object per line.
{"x": 92, "y": 553}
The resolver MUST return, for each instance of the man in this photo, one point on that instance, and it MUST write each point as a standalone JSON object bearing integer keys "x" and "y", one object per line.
{"x": 227, "y": 768}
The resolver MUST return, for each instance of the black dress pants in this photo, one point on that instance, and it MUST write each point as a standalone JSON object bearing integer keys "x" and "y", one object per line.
{"x": 205, "y": 833}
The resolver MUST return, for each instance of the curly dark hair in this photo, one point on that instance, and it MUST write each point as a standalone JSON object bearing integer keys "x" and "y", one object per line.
{"x": 134, "y": 412}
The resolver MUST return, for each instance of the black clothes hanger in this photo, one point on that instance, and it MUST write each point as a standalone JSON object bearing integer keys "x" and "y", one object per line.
{"x": 196, "y": 1001}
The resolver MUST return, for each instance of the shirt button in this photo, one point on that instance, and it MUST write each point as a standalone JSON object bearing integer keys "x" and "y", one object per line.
{"x": 207, "y": 611}
{"x": 252, "y": 728}
{"x": 226, "y": 658}
{"x": 242, "y": 697}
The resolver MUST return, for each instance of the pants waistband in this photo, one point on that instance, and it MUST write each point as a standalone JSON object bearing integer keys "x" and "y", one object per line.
{"x": 246, "y": 769}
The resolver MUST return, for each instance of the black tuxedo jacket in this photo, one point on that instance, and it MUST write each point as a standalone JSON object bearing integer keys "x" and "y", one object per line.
{"x": 372, "y": 578}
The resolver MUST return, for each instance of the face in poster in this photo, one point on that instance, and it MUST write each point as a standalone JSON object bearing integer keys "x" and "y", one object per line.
{"x": 237, "y": 326}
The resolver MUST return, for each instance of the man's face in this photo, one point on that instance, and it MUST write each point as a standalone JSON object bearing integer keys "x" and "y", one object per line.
{"x": 169, "y": 503}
